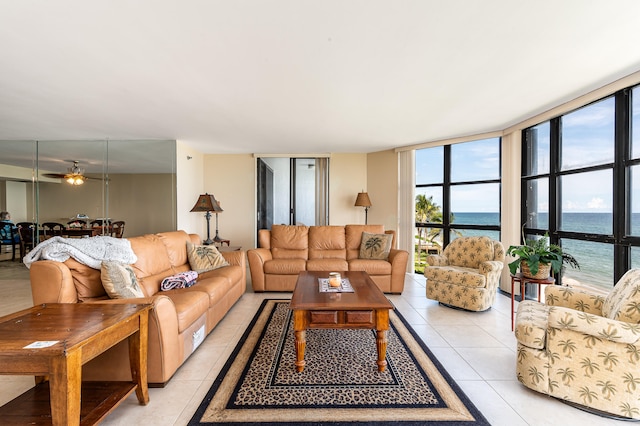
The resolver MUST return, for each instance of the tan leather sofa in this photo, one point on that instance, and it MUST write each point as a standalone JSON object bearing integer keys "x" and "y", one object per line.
{"x": 286, "y": 250}
{"x": 180, "y": 318}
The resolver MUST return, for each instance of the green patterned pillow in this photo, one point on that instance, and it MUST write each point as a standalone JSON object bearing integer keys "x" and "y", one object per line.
{"x": 375, "y": 246}
{"x": 204, "y": 258}
{"x": 119, "y": 281}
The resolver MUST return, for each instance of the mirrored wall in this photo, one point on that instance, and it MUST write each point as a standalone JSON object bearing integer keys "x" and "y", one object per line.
{"x": 59, "y": 181}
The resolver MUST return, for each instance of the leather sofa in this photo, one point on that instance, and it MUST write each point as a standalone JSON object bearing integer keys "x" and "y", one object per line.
{"x": 180, "y": 318}
{"x": 286, "y": 250}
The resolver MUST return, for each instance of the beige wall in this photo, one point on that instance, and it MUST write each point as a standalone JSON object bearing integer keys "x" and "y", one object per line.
{"x": 189, "y": 185}
{"x": 347, "y": 177}
{"x": 382, "y": 181}
{"x": 231, "y": 179}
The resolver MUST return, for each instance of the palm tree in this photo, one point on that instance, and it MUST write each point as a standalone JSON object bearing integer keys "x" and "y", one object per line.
{"x": 427, "y": 212}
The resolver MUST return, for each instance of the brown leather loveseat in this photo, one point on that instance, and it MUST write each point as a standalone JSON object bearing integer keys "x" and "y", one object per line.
{"x": 286, "y": 250}
{"x": 180, "y": 318}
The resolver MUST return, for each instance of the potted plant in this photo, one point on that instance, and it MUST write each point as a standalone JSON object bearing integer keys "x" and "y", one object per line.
{"x": 537, "y": 258}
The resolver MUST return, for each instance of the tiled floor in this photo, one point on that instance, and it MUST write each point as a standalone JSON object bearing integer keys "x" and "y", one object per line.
{"x": 478, "y": 350}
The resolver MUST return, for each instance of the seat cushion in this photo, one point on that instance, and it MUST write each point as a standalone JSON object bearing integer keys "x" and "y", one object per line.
{"x": 531, "y": 324}
{"x": 370, "y": 266}
{"x": 190, "y": 305}
{"x": 467, "y": 277}
{"x": 285, "y": 266}
{"x": 336, "y": 265}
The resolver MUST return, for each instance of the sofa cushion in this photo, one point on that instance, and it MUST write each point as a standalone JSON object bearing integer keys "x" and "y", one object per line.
{"x": 466, "y": 277}
{"x": 174, "y": 242}
{"x": 336, "y": 265}
{"x": 85, "y": 279}
{"x": 370, "y": 266}
{"x": 375, "y": 246}
{"x": 327, "y": 242}
{"x": 285, "y": 266}
{"x": 353, "y": 237}
{"x": 204, "y": 258}
{"x": 469, "y": 252}
{"x": 190, "y": 305}
{"x": 119, "y": 280}
{"x": 152, "y": 256}
{"x": 289, "y": 242}
{"x": 214, "y": 287}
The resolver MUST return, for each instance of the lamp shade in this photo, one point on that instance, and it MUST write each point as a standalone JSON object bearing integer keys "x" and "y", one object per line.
{"x": 207, "y": 203}
{"x": 363, "y": 200}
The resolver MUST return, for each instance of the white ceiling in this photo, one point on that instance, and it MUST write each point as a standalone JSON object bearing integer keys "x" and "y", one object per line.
{"x": 300, "y": 76}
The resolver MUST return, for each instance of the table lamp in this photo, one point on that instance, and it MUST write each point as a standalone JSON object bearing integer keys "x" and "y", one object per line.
{"x": 207, "y": 203}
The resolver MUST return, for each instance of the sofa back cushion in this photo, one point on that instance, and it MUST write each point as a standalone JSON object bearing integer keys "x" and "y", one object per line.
{"x": 469, "y": 252}
{"x": 175, "y": 244}
{"x": 289, "y": 242}
{"x": 623, "y": 301}
{"x": 327, "y": 242}
{"x": 153, "y": 261}
{"x": 85, "y": 279}
{"x": 353, "y": 237}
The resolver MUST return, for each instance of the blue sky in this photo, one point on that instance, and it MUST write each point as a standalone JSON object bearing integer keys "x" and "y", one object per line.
{"x": 587, "y": 140}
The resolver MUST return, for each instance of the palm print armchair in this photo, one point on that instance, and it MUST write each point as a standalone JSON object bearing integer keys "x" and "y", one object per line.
{"x": 467, "y": 273}
{"x": 584, "y": 348}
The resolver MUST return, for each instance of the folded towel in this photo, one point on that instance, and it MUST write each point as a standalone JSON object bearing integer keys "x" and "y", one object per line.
{"x": 181, "y": 280}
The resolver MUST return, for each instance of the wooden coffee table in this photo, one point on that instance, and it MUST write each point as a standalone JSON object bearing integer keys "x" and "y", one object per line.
{"x": 53, "y": 341}
{"x": 365, "y": 308}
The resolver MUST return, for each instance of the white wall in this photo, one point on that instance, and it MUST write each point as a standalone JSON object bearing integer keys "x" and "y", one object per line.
{"x": 189, "y": 185}
{"x": 347, "y": 177}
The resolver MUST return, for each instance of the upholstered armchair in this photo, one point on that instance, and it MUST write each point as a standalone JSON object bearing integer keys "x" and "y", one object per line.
{"x": 467, "y": 273}
{"x": 584, "y": 348}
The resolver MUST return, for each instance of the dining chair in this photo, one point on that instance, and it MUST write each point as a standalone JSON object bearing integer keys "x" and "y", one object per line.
{"x": 26, "y": 231}
{"x": 117, "y": 229}
{"x": 7, "y": 238}
{"x": 51, "y": 229}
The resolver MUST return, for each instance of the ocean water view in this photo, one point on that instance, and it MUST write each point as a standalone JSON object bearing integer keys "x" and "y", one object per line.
{"x": 596, "y": 259}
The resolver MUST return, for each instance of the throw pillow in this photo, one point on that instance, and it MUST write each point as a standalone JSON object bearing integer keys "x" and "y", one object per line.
{"x": 119, "y": 281}
{"x": 204, "y": 258}
{"x": 375, "y": 246}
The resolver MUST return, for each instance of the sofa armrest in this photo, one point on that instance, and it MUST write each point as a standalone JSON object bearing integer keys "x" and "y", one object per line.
{"x": 398, "y": 260}
{"x": 51, "y": 282}
{"x": 236, "y": 257}
{"x": 437, "y": 260}
{"x": 490, "y": 266}
{"x": 579, "y": 300}
{"x": 257, "y": 257}
{"x": 593, "y": 325}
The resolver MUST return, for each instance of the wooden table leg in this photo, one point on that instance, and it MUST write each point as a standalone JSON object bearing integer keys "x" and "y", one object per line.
{"x": 382, "y": 325}
{"x": 65, "y": 383}
{"x": 300, "y": 323}
{"x": 301, "y": 344}
{"x": 138, "y": 343}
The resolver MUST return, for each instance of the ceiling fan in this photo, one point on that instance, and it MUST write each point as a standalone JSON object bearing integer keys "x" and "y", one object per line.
{"x": 74, "y": 176}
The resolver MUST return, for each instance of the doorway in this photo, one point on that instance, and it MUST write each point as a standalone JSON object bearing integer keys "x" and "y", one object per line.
{"x": 292, "y": 191}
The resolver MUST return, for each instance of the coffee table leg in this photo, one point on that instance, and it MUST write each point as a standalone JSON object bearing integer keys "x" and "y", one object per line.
{"x": 382, "y": 325}
{"x": 381, "y": 342}
{"x": 301, "y": 344}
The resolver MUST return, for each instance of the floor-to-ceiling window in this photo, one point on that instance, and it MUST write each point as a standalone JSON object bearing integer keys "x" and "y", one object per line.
{"x": 580, "y": 184}
{"x": 457, "y": 194}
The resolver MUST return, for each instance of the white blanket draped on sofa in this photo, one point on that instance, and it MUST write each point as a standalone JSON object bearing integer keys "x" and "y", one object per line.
{"x": 89, "y": 251}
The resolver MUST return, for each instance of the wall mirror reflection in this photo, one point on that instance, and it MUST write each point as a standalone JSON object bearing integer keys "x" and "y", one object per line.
{"x": 85, "y": 187}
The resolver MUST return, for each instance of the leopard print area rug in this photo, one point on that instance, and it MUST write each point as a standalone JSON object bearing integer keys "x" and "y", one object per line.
{"x": 340, "y": 384}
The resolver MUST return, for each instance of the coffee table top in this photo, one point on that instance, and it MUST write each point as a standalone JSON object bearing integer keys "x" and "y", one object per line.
{"x": 366, "y": 294}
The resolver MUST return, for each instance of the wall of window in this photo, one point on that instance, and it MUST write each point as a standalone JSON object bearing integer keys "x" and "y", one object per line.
{"x": 581, "y": 184}
{"x": 457, "y": 192}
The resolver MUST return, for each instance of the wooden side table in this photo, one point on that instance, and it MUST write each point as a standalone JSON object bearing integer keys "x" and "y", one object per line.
{"x": 523, "y": 282}
{"x": 53, "y": 341}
